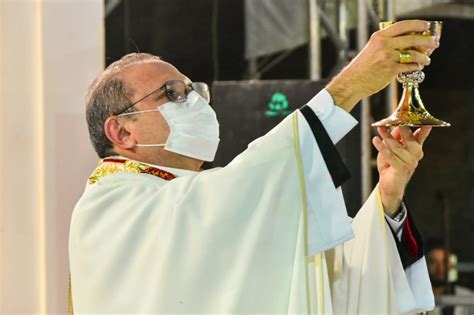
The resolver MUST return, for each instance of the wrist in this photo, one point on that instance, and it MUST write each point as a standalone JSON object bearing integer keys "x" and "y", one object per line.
{"x": 391, "y": 205}
{"x": 343, "y": 93}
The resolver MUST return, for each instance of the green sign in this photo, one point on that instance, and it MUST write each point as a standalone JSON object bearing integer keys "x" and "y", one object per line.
{"x": 278, "y": 106}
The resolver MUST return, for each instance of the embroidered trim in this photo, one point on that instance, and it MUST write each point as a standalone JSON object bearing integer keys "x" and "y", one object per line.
{"x": 109, "y": 166}
{"x": 318, "y": 264}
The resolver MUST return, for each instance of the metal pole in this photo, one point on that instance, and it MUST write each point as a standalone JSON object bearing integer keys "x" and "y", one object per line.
{"x": 314, "y": 41}
{"x": 341, "y": 24}
{"x": 366, "y": 174}
{"x": 342, "y": 28}
{"x": 332, "y": 31}
{"x": 392, "y": 95}
{"x": 253, "y": 68}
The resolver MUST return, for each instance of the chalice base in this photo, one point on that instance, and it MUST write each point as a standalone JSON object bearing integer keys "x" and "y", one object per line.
{"x": 411, "y": 119}
{"x": 411, "y": 111}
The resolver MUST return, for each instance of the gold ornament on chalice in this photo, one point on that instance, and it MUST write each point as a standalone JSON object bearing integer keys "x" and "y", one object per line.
{"x": 411, "y": 111}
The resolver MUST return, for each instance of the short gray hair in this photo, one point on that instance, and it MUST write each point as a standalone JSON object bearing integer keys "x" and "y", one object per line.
{"x": 107, "y": 96}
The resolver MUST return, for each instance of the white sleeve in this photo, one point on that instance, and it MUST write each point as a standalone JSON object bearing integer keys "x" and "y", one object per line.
{"x": 335, "y": 120}
{"x": 398, "y": 222}
{"x": 412, "y": 285}
{"x": 328, "y": 222}
{"x": 370, "y": 266}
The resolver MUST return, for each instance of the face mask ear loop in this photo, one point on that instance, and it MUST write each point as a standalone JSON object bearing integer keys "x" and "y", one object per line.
{"x": 149, "y": 145}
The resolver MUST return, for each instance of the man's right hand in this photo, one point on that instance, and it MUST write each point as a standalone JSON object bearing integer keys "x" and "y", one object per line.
{"x": 379, "y": 62}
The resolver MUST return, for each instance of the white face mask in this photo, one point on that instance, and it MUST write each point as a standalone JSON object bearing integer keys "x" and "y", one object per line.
{"x": 194, "y": 129}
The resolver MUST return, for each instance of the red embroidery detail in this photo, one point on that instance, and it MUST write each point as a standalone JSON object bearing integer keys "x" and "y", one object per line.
{"x": 151, "y": 170}
{"x": 114, "y": 160}
{"x": 408, "y": 240}
{"x": 160, "y": 173}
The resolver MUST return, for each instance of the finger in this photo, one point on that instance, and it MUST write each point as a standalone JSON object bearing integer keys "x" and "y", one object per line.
{"x": 392, "y": 139}
{"x": 394, "y": 145}
{"x": 408, "y": 67}
{"x": 410, "y": 143}
{"x": 405, "y": 27}
{"x": 422, "y": 133}
{"x": 387, "y": 135}
{"x": 417, "y": 57}
{"x": 387, "y": 154}
{"x": 408, "y": 41}
{"x": 429, "y": 51}
{"x": 396, "y": 134}
{"x": 406, "y": 135}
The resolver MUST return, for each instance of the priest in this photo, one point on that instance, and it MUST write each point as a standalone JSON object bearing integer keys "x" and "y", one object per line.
{"x": 266, "y": 234}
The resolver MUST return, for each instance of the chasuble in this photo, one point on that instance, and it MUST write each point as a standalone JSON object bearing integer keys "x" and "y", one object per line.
{"x": 267, "y": 234}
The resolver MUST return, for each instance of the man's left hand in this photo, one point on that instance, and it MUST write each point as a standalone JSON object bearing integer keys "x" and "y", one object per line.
{"x": 399, "y": 154}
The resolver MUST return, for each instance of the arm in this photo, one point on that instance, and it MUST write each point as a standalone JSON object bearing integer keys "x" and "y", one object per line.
{"x": 370, "y": 71}
{"x": 399, "y": 154}
{"x": 366, "y": 74}
{"x": 380, "y": 260}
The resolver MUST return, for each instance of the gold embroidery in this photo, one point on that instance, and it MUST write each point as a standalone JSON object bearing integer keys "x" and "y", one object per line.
{"x": 113, "y": 166}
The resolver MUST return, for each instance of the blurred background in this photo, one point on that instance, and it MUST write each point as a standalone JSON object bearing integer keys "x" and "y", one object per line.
{"x": 262, "y": 59}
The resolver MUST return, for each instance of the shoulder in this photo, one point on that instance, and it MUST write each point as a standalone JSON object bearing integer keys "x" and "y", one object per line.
{"x": 131, "y": 188}
{"x": 117, "y": 183}
{"x": 120, "y": 188}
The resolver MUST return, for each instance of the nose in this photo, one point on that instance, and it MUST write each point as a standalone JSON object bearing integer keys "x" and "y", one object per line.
{"x": 202, "y": 89}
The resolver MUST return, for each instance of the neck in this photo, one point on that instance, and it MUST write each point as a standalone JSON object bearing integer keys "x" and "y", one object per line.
{"x": 168, "y": 159}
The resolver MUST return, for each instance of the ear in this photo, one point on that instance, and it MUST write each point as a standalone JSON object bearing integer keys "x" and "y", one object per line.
{"x": 119, "y": 133}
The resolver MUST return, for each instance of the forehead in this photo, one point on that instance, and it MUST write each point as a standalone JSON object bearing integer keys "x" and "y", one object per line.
{"x": 151, "y": 75}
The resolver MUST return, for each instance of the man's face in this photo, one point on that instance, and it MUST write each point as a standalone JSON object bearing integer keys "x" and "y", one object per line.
{"x": 436, "y": 264}
{"x": 151, "y": 127}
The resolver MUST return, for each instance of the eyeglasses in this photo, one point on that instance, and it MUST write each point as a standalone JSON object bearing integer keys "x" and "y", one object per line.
{"x": 175, "y": 90}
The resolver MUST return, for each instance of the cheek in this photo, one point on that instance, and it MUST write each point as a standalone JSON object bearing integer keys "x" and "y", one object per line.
{"x": 155, "y": 129}
{"x": 162, "y": 125}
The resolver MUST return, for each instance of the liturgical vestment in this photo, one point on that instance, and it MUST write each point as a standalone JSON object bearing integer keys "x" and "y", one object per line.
{"x": 267, "y": 234}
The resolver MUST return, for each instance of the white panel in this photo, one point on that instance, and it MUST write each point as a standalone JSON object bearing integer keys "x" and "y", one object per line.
{"x": 19, "y": 246}
{"x": 50, "y": 52}
{"x": 73, "y": 57}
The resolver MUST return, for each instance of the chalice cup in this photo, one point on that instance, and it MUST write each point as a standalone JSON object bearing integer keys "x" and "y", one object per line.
{"x": 411, "y": 111}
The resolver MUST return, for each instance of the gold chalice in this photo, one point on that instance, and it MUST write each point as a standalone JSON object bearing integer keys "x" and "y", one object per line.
{"x": 411, "y": 111}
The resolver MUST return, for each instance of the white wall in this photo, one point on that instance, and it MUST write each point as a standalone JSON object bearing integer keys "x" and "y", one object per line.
{"x": 50, "y": 51}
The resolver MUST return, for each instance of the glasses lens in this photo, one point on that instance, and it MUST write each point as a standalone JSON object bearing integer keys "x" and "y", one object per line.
{"x": 176, "y": 91}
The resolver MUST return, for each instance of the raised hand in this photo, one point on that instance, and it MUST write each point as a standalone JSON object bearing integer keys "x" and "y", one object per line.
{"x": 379, "y": 62}
{"x": 399, "y": 154}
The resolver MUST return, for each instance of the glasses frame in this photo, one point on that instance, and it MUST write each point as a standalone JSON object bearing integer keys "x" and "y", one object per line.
{"x": 167, "y": 91}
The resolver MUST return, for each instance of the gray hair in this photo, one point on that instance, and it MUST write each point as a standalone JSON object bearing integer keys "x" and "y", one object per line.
{"x": 107, "y": 96}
